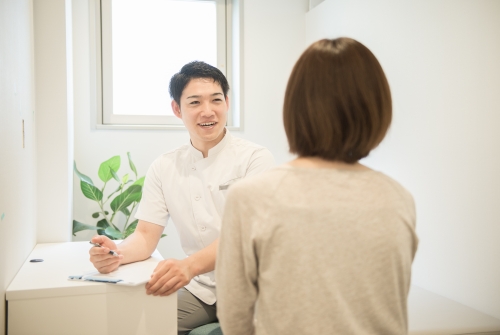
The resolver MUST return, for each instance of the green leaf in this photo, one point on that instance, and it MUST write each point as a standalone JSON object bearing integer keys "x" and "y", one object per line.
{"x": 106, "y": 212}
{"x": 125, "y": 179}
{"x": 135, "y": 188}
{"x": 78, "y": 226}
{"x": 117, "y": 189}
{"x": 132, "y": 165}
{"x": 131, "y": 228}
{"x": 90, "y": 191}
{"x": 132, "y": 194}
{"x": 111, "y": 164}
{"x": 96, "y": 215}
{"x": 139, "y": 181}
{"x": 81, "y": 175}
{"x": 115, "y": 176}
{"x": 113, "y": 233}
{"x": 125, "y": 211}
{"x": 163, "y": 235}
{"x": 101, "y": 226}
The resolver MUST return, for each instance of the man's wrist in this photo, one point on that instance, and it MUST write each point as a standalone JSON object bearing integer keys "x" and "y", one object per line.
{"x": 191, "y": 265}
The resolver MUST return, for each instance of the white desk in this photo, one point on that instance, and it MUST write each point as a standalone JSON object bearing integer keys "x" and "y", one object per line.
{"x": 41, "y": 300}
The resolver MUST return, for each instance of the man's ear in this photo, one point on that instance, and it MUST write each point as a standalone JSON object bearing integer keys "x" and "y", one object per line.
{"x": 227, "y": 102}
{"x": 176, "y": 109}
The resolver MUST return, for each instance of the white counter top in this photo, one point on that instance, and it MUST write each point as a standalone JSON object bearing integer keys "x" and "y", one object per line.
{"x": 50, "y": 277}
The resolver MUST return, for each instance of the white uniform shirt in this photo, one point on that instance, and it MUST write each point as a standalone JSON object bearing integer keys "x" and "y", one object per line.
{"x": 192, "y": 191}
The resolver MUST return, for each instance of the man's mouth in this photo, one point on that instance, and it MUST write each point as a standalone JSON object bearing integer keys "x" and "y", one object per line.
{"x": 207, "y": 124}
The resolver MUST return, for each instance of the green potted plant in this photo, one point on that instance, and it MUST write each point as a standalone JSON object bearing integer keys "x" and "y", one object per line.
{"x": 124, "y": 199}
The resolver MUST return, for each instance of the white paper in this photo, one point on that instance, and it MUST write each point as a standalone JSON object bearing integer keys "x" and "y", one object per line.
{"x": 131, "y": 274}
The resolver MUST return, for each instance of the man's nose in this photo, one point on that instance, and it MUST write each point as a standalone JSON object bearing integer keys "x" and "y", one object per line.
{"x": 207, "y": 109}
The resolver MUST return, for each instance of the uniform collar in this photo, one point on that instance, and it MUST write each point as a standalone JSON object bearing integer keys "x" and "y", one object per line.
{"x": 215, "y": 150}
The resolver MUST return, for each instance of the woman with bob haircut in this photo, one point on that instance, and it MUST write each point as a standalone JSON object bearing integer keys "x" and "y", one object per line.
{"x": 323, "y": 244}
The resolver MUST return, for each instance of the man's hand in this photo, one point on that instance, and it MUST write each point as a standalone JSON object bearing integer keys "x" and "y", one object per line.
{"x": 100, "y": 257}
{"x": 169, "y": 276}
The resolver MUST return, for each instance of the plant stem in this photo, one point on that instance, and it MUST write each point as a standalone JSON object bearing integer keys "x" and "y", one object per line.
{"x": 102, "y": 209}
{"x": 103, "y": 194}
{"x": 104, "y": 187}
{"x": 128, "y": 217}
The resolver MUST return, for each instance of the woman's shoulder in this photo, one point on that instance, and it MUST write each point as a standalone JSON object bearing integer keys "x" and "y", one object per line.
{"x": 392, "y": 184}
{"x": 395, "y": 193}
{"x": 262, "y": 184}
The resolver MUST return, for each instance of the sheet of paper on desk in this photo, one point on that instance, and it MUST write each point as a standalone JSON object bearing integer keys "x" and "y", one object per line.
{"x": 131, "y": 274}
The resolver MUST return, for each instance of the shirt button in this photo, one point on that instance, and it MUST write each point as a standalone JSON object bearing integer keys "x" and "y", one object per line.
{"x": 203, "y": 228}
{"x": 193, "y": 168}
{"x": 197, "y": 198}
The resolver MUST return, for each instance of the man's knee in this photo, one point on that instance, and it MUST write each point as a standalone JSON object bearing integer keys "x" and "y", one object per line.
{"x": 192, "y": 312}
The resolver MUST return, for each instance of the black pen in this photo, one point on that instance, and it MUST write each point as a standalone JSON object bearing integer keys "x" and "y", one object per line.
{"x": 111, "y": 252}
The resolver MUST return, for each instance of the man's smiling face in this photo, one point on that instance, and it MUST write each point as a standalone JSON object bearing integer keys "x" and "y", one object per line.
{"x": 203, "y": 109}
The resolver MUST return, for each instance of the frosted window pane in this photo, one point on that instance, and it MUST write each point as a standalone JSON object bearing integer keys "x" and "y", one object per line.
{"x": 152, "y": 40}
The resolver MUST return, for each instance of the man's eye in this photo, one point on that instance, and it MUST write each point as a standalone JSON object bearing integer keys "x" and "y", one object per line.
{"x": 194, "y": 102}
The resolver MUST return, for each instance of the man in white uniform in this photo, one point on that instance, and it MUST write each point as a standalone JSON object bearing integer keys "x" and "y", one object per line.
{"x": 189, "y": 184}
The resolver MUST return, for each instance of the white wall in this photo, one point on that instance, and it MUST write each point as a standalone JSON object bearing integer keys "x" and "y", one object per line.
{"x": 273, "y": 38}
{"x": 54, "y": 106}
{"x": 17, "y": 164}
{"x": 442, "y": 62}
{"x": 314, "y": 3}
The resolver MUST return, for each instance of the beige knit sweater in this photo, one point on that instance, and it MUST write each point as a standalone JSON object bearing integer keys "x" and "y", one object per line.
{"x": 315, "y": 251}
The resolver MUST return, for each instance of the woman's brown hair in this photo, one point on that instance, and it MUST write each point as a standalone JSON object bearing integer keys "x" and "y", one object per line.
{"x": 337, "y": 102}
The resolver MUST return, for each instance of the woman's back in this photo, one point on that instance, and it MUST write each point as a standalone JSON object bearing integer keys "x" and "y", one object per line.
{"x": 330, "y": 250}
{"x": 322, "y": 245}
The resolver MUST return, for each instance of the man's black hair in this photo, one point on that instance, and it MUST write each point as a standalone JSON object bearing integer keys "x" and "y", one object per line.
{"x": 195, "y": 70}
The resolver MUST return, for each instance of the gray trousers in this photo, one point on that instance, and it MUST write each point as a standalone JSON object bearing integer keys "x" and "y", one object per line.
{"x": 192, "y": 312}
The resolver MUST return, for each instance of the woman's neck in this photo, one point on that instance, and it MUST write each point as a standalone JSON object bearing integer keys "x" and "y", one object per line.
{"x": 316, "y": 162}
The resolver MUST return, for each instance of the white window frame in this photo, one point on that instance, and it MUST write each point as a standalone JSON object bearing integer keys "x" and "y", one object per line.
{"x": 228, "y": 61}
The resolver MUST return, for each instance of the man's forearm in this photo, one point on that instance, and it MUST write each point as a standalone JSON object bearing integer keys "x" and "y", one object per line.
{"x": 134, "y": 249}
{"x": 141, "y": 244}
{"x": 203, "y": 261}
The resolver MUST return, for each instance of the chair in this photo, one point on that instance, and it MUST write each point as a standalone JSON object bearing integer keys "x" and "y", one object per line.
{"x": 209, "y": 329}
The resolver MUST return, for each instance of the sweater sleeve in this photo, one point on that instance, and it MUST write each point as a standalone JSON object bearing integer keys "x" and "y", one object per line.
{"x": 236, "y": 269}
